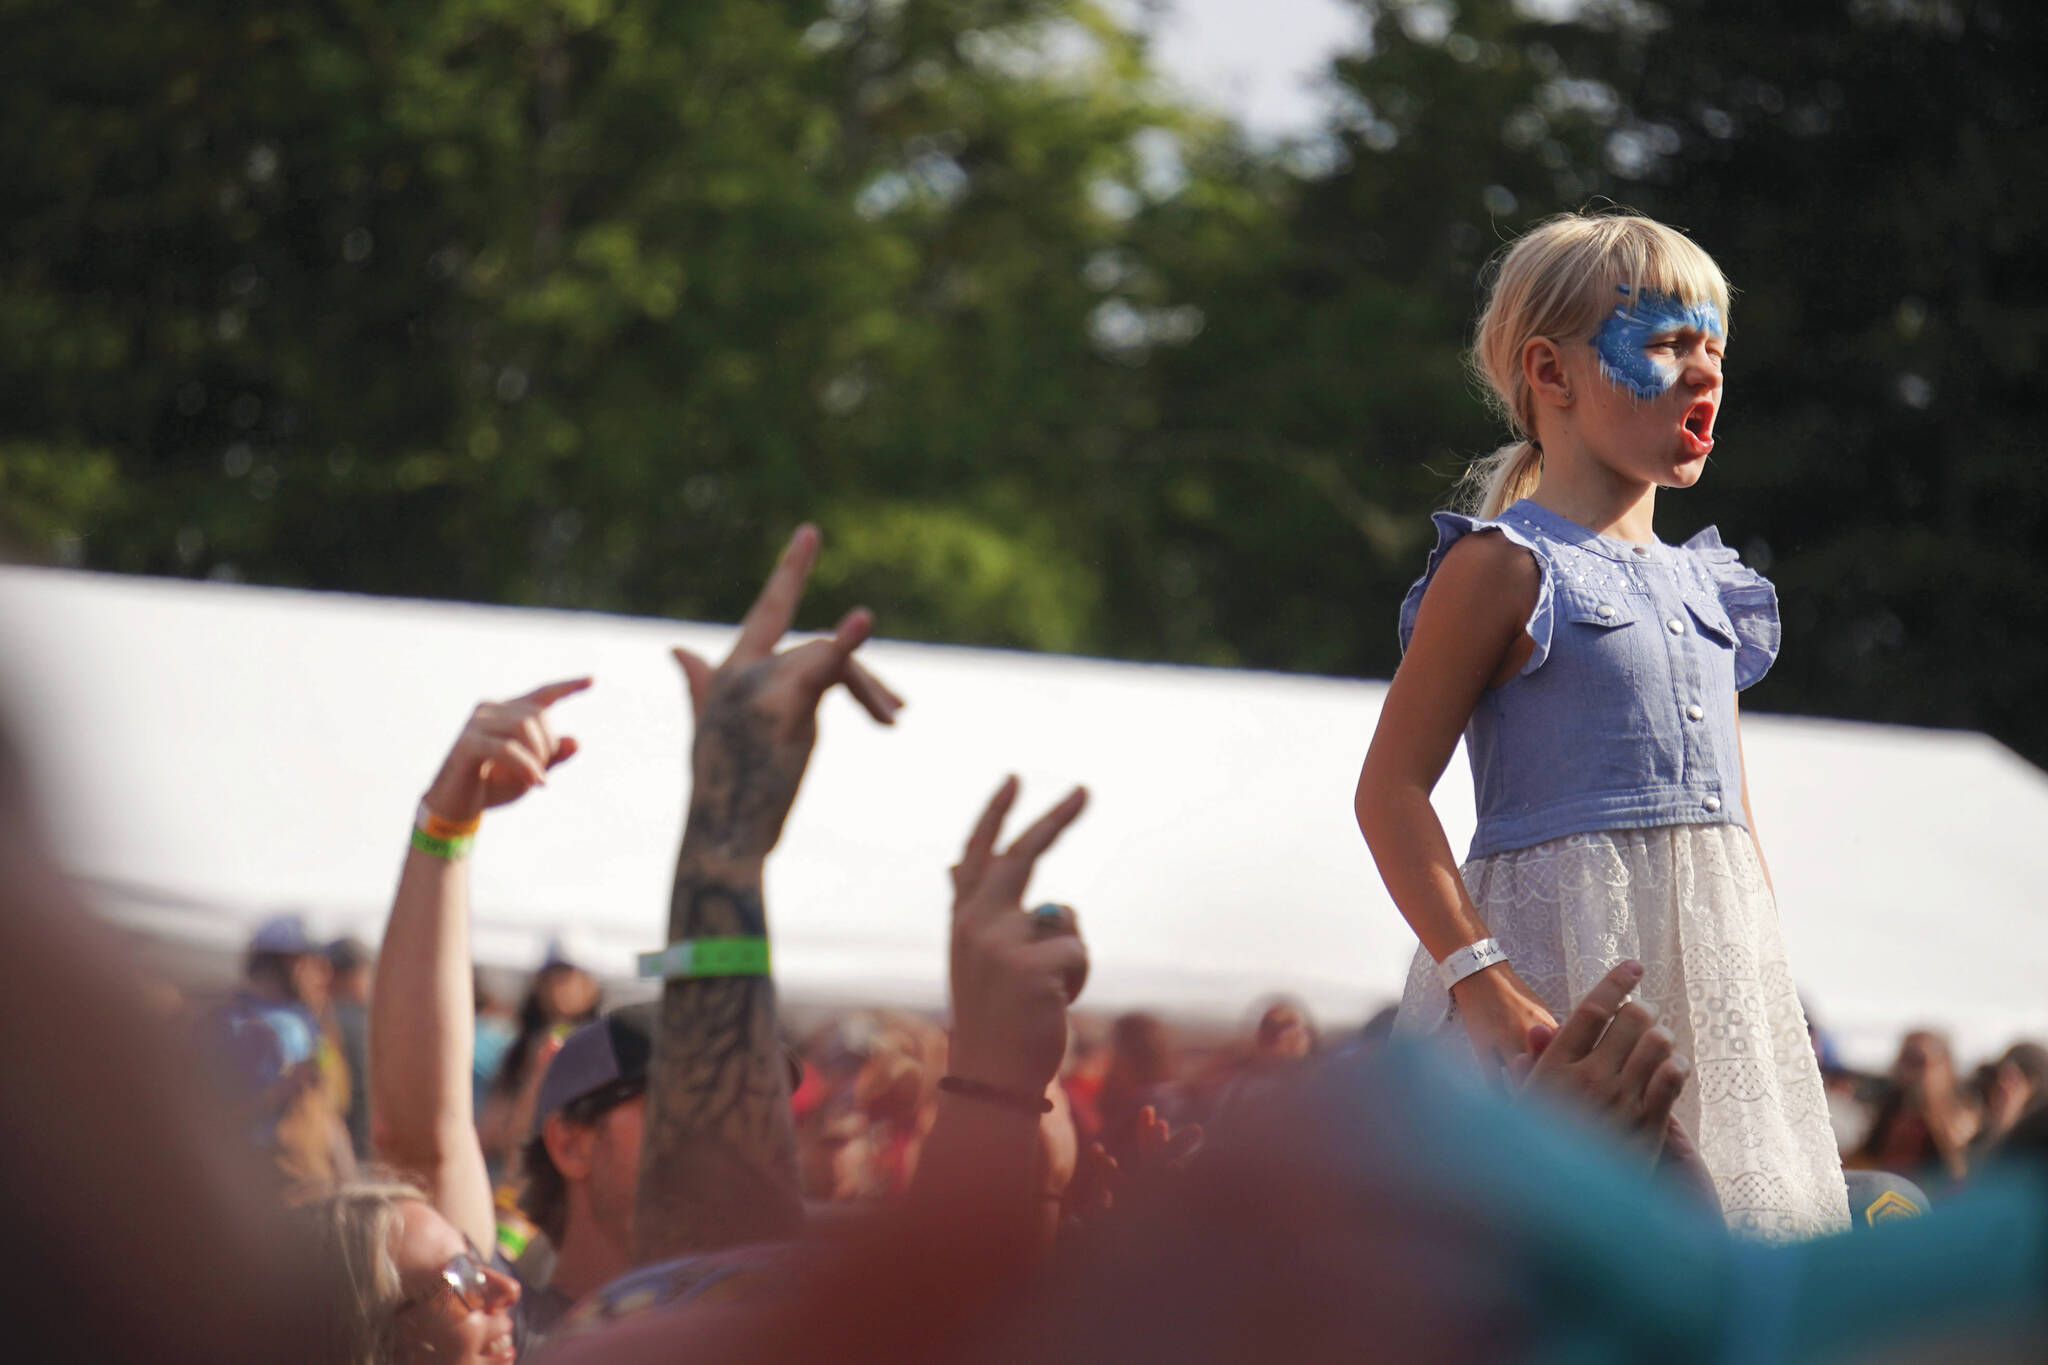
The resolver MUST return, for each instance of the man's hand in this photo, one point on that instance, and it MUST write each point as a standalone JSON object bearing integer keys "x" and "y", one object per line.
{"x": 757, "y": 713}
{"x": 1013, "y": 974}
{"x": 1613, "y": 1059}
{"x": 503, "y": 752}
{"x": 718, "y": 1155}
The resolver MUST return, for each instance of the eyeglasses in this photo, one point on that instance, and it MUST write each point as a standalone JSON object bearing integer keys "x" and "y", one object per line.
{"x": 464, "y": 1276}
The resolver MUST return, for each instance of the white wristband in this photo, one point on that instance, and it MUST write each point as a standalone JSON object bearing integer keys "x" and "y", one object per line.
{"x": 1473, "y": 957}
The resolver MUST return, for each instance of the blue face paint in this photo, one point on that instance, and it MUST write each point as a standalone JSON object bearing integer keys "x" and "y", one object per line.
{"x": 1623, "y": 340}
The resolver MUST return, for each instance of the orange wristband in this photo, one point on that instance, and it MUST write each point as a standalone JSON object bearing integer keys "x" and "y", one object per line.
{"x": 429, "y": 823}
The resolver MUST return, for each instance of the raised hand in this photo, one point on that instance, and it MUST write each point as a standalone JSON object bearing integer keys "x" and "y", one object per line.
{"x": 718, "y": 1155}
{"x": 504, "y": 752}
{"x": 1613, "y": 1058}
{"x": 1013, "y": 974}
{"x": 757, "y": 712}
{"x": 1159, "y": 1147}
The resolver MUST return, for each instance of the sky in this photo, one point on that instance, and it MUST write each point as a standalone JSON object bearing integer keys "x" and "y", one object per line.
{"x": 1259, "y": 61}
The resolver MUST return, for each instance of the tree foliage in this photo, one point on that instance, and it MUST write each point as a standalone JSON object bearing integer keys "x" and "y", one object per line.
{"x": 585, "y": 302}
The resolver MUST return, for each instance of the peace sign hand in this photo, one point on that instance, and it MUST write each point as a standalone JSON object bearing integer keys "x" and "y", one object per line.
{"x": 757, "y": 713}
{"x": 1013, "y": 974}
{"x": 504, "y": 751}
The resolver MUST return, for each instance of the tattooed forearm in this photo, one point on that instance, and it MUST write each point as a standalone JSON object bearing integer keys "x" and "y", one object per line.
{"x": 718, "y": 1158}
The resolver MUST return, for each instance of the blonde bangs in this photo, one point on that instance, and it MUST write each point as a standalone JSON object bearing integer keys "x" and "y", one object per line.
{"x": 1640, "y": 254}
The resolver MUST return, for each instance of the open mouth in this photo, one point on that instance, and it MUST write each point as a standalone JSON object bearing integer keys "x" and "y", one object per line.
{"x": 1697, "y": 427}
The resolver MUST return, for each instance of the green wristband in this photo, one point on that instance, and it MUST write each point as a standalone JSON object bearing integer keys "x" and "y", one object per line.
{"x": 450, "y": 850}
{"x": 693, "y": 957}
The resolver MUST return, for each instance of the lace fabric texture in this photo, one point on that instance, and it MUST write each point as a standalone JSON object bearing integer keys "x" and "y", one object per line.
{"x": 1691, "y": 904}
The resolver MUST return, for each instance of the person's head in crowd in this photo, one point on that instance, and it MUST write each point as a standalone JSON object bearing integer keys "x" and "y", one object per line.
{"x": 1141, "y": 1052}
{"x": 1924, "y": 1064}
{"x": 871, "y": 1079}
{"x": 904, "y": 1059}
{"x": 833, "y": 1153}
{"x": 268, "y": 1052}
{"x": 2025, "y": 1066}
{"x": 351, "y": 963}
{"x": 401, "y": 1285}
{"x": 563, "y": 992}
{"x": 284, "y": 963}
{"x": 1285, "y": 1033}
{"x": 2011, "y": 1088}
{"x": 1143, "y": 1067}
{"x": 1925, "y": 1119}
{"x": 562, "y": 996}
{"x": 582, "y": 1157}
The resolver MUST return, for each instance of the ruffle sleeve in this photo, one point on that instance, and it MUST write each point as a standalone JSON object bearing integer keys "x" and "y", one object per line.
{"x": 1452, "y": 527}
{"x": 1751, "y": 603}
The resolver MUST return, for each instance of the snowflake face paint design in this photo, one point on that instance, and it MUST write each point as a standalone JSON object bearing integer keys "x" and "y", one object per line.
{"x": 1623, "y": 339}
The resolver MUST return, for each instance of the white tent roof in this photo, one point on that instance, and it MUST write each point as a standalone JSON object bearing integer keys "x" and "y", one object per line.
{"x": 211, "y": 754}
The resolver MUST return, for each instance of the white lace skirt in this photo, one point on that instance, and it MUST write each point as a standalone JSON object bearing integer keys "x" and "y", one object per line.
{"x": 1691, "y": 904}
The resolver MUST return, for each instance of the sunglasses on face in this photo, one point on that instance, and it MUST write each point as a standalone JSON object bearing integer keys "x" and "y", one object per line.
{"x": 464, "y": 1277}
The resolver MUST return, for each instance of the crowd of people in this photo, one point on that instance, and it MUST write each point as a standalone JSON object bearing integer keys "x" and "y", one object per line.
{"x": 864, "y": 1083}
{"x": 382, "y": 1164}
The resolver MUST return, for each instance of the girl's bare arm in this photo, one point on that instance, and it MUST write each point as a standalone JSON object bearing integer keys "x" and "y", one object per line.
{"x": 1468, "y": 637}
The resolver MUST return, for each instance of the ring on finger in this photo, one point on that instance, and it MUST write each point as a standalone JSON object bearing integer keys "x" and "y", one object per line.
{"x": 1048, "y": 918}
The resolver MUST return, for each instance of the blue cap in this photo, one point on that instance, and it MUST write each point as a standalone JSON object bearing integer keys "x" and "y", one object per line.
{"x": 284, "y": 934}
{"x": 1880, "y": 1197}
{"x": 607, "y": 1056}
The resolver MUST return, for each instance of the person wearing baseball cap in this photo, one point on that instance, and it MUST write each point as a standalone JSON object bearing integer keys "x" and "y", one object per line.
{"x": 287, "y": 1079}
{"x": 581, "y": 1160}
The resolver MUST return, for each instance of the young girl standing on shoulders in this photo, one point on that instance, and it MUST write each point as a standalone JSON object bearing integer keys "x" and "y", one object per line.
{"x": 1592, "y": 670}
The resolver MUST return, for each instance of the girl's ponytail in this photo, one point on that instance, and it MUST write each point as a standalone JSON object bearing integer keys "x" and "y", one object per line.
{"x": 1496, "y": 482}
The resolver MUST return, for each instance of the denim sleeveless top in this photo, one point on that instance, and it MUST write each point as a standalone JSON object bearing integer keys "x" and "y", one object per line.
{"x": 1624, "y": 716}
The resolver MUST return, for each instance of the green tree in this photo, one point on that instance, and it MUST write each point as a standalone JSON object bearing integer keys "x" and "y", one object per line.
{"x": 575, "y": 301}
{"x": 584, "y": 302}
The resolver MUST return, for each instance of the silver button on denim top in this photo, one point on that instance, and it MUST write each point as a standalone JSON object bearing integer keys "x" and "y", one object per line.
{"x": 1624, "y": 716}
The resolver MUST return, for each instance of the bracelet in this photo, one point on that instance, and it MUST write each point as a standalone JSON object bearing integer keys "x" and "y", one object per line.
{"x": 452, "y": 849}
{"x": 995, "y": 1094}
{"x": 694, "y": 957}
{"x": 445, "y": 829}
{"x": 1473, "y": 957}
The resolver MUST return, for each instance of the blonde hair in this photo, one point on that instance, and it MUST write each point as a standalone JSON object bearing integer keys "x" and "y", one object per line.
{"x": 351, "y": 1228}
{"x": 1559, "y": 279}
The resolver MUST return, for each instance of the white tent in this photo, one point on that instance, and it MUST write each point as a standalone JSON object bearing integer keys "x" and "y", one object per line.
{"x": 210, "y": 754}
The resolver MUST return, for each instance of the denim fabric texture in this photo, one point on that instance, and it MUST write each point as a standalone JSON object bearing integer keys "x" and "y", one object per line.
{"x": 1624, "y": 716}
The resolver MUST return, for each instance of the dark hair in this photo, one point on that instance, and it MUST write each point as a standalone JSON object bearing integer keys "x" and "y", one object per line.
{"x": 2031, "y": 1060}
{"x": 348, "y": 953}
{"x": 1143, "y": 1043}
{"x": 544, "y": 1192}
{"x": 533, "y": 1023}
{"x": 263, "y": 965}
